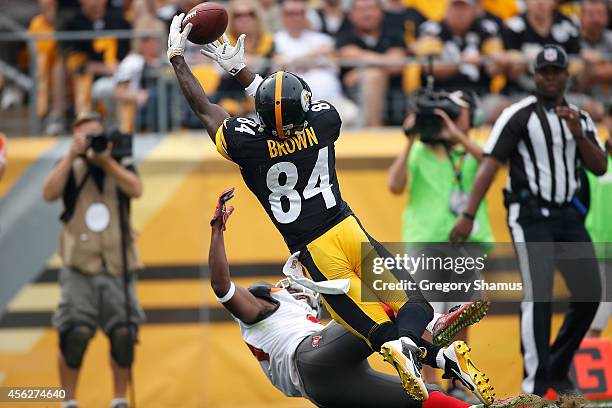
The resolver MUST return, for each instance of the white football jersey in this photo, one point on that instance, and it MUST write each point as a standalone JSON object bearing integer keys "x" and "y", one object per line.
{"x": 273, "y": 341}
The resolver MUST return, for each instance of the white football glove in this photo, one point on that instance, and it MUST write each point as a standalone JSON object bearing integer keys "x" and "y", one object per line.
{"x": 229, "y": 57}
{"x": 176, "y": 38}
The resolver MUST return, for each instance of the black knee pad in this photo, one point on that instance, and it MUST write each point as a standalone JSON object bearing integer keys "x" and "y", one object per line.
{"x": 73, "y": 343}
{"x": 122, "y": 339}
{"x": 382, "y": 333}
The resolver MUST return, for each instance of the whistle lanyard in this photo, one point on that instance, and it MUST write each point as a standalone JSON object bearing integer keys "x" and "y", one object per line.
{"x": 456, "y": 166}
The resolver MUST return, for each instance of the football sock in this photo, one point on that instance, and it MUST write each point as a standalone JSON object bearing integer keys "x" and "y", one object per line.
{"x": 438, "y": 399}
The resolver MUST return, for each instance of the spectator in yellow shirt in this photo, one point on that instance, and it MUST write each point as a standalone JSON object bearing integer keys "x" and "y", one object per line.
{"x": 436, "y": 9}
{"x": 49, "y": 68}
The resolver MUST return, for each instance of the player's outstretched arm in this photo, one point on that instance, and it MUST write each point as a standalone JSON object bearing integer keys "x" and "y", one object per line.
{"x": 210, "y": 114}
{"x": 237, "y": 300}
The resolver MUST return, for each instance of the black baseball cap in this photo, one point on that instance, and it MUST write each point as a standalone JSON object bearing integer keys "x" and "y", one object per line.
{"x": 551, "y": 55}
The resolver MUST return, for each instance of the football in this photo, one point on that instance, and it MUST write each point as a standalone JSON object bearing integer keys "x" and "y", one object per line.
{"x": 209, "y": 22}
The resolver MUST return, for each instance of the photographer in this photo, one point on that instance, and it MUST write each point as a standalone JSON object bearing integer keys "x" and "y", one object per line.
{"x": 439, "y": 170}
{"x": 90, "y": 179}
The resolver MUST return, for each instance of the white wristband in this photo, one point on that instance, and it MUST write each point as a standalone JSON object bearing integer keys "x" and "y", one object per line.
{"x": 228, "y": 295}
{"x": 251, "y": 89}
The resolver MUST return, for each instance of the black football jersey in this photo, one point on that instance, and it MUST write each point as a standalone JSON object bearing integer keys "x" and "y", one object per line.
{"x": 294, "y": 178}
{"x": 481, "y": 38}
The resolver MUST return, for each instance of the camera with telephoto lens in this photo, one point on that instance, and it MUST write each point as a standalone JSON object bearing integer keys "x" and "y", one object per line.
{"x": 122, "y": 143}
{"x": 427, "y": 124}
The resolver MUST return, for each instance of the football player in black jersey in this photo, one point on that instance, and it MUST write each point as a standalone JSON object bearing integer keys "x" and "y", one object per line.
{"x": 287, "y": 159}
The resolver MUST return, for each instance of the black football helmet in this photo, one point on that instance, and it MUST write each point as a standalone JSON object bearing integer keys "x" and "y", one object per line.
{"x": 281, "y": 103}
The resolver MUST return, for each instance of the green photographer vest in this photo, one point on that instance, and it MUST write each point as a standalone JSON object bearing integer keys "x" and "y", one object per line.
{"x": 431, "y": 182}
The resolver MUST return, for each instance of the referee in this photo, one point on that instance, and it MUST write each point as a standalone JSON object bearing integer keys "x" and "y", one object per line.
{"x": 547, "y": 142}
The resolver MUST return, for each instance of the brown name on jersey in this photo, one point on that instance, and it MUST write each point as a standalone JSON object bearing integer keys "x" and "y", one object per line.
{"x": 298, "y": 142}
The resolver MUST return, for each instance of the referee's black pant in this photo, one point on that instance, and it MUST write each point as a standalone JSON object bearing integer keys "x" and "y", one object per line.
{"x": 548, "y": 365}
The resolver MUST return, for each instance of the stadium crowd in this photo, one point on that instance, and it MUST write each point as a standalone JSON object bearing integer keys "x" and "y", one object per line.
{"x": 349, "y": 51}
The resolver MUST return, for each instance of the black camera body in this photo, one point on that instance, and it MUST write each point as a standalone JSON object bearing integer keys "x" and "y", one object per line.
{"x": 427, "y": 124}
{"x": 122, "y": 143}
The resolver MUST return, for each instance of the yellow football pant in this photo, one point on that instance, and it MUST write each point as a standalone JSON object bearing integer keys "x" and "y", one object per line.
{"x": 337, "y": 254}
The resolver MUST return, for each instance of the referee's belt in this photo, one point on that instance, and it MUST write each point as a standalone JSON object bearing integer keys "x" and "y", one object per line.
{"x": 527, "y": 198}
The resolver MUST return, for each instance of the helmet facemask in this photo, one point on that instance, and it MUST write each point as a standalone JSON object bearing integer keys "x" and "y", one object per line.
{"x": 310, "y": 299}
{"x": 292, "y": 130}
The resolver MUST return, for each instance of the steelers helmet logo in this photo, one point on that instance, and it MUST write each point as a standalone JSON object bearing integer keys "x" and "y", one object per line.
{"x": 305, "y": 98}
{"x": 550, "y": 54}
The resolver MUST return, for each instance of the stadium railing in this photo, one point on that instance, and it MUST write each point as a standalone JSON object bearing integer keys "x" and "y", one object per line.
{"x": 168, "y": 111}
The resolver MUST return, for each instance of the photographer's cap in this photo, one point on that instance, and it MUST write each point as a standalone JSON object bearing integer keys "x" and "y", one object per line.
{"x": 551, "y": 56}
{"x": 86, "y": 117}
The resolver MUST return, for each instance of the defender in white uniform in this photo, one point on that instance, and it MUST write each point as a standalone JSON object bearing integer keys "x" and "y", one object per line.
{"x": 326, "y": 364}
{"x": 274, "y": 339}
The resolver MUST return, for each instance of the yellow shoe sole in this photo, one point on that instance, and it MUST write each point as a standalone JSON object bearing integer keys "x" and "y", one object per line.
{"x": 478, "y": 379}
{"x": 415, "y": 388}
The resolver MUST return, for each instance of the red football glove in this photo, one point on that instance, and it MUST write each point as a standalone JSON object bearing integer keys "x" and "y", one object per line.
{"x": 221, "y": 212}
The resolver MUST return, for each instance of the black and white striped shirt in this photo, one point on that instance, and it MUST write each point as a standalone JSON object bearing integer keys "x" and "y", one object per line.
{"x": 542, "y": 151}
